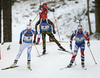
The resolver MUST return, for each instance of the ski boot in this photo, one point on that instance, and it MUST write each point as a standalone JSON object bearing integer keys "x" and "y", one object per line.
{"x": 70, "y": 65}
{"x": 44, "y": 52}
{"x": 38, "y": 41}
{"x": 15, "y": 62}
{"x": 62, "y": 48}
{"x": 82, "y": 63}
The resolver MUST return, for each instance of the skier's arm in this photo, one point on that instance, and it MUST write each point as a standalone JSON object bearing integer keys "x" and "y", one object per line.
{"x": 37, "y": 25}
{"x": 71, "y": 38}
{"x": 86, "y": 36}
{"x": 34, "y": 36}
{"x": 51, "y": 9}
{"x": 20, "y": 41}
{"x": 21, "y": 34}
{"x": 50, "y": 22}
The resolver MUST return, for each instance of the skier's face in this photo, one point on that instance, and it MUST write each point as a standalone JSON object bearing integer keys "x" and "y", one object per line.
{"x": 80, "y": 30}
{"x": 44, "y": 19}
{"x": 29, "y": 30}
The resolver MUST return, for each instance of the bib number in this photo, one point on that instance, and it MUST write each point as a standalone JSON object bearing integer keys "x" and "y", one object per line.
{"x": 27, "y": 38}
{"x": 44, "y": 27}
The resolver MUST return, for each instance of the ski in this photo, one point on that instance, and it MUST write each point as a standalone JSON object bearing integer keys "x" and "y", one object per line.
{"x": 65, "y": 51}
{"x": 10, "y": 67}
{"x": 58, "y": 41}
{"x": 63, "y": 68}
{"x": 42, "y": 55}
{"x": 29, "y": 68}
{"x": 70, "y": 67}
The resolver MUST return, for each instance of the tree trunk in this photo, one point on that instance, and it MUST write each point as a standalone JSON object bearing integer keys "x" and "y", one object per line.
{"x": 7, "y": 21}
{"x": 0, "y": 21}
{"x": 97, "y": 15}
{"x": 89, "y": 18}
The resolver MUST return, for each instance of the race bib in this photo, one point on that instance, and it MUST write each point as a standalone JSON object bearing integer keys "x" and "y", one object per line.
{"x": 79, "y": 39}
{"x": 44, "y": 27}
{"x": 27, "y": 38}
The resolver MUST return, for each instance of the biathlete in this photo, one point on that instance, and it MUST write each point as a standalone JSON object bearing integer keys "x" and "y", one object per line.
{"x": 45, "y": 28}
{"x": 27, "y": 43}
{"x": 43, "y": 10}
{"x": 80, "y": 37}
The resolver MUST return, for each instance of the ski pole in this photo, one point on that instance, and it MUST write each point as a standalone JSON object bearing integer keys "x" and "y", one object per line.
{"x": 37, "y": 50}
{"x": 92, "y": 55}
{"x": 0, "y": 54}
{"x": 33, "y": 19}
{"x": 56, "y": 26}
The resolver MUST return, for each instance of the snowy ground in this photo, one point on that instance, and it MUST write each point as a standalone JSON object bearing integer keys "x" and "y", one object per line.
{"x": 48, "y": 66}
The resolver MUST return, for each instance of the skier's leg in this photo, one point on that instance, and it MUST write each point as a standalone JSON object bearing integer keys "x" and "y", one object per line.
{"x": 50, "y": 39}
{"x": 54, "y": 39}
{"x": 22, "y": 47}
{"x": 38, "y": 40}
{"x": 44, "y": 43}
{"x": 82, "y": 48}
{"x": 74, "y": 55}
{"x": 29, "y": 46}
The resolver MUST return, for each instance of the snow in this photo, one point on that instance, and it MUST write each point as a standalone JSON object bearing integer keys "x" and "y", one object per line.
{"x": 48, "y": 66}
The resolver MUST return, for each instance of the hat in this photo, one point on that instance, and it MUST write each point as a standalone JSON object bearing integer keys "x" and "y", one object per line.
{"x": 79, "y": 27}
{"x": 28, "y": 27}
{"x": 44, "y": 5}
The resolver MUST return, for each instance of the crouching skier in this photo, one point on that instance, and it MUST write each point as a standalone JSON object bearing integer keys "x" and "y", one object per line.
{"x": 45, "y": 28}
{"x": 80, "y": 37}
{"x": 27, "y": 43}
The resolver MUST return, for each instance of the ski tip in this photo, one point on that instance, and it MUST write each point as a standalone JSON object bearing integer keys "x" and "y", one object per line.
{"x": 85, "y": 69}
{"x": 95, "y": 63}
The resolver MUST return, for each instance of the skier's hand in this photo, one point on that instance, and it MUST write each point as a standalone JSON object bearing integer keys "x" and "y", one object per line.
{"x": 34, "y": 41}
{"x": 88, "y": 44}
{"x": 20, "y": 41}
{"x": 71, "y": 46}
{"x": 54, "y": 31}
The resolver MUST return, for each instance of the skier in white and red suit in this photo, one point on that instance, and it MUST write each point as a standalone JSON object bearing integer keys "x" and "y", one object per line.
{"x": 80, "y": 37}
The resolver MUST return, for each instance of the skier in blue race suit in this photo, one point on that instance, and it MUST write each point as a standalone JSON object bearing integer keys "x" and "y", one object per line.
{"x": 27, "y": 43}
{"x": 80, "y": 37}
{"x": 45, "y": 28}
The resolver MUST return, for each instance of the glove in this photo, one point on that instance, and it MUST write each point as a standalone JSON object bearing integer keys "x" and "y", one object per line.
{"x": 40, "y": 11}
{"x": 71, "y": 46}
{"x": 88, "y": 43}
{"x": 52, "y": 7}
{"x": 20, "y": 41}
{"x": 54, "y": 31}
{"x": 34, "y": 41}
